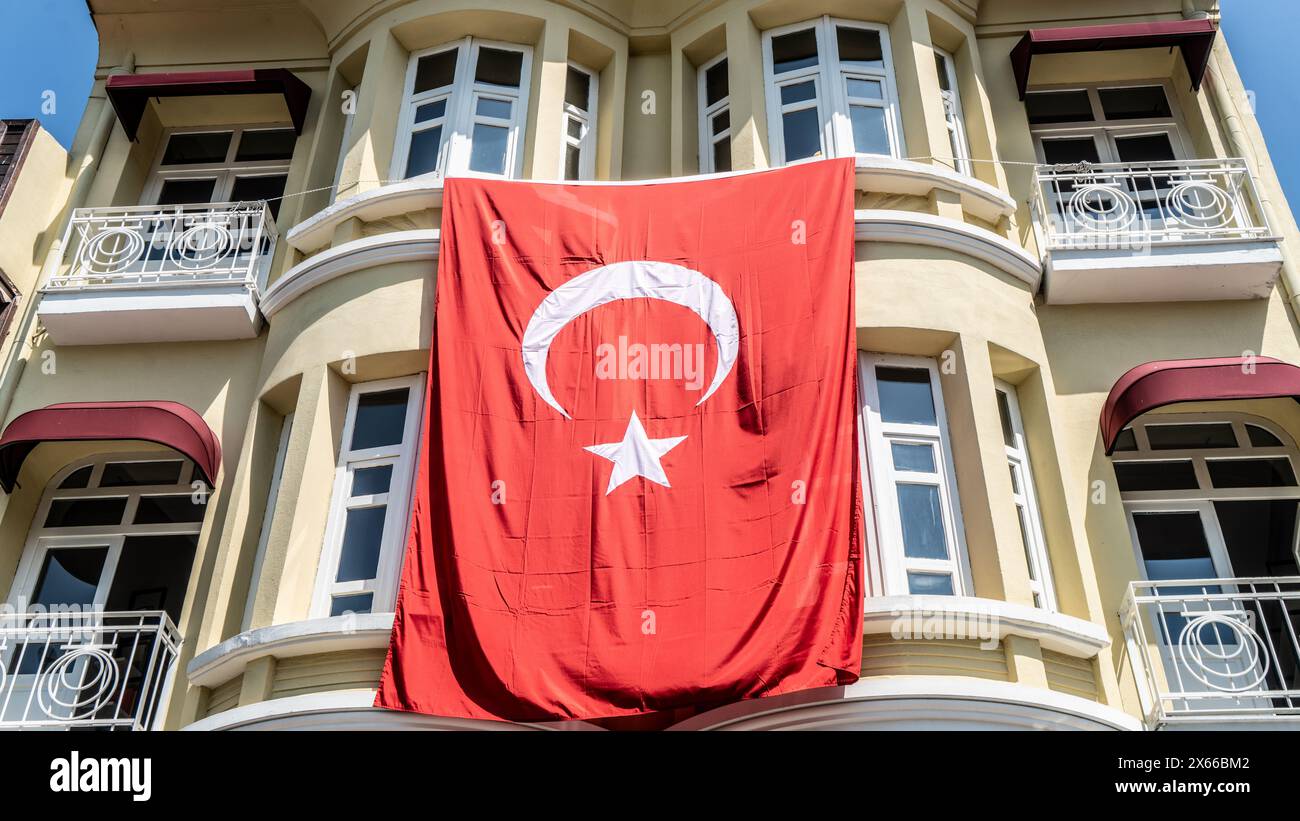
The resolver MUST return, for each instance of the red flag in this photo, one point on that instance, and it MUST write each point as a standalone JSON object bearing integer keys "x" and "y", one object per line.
{"x": 638, "y": 484}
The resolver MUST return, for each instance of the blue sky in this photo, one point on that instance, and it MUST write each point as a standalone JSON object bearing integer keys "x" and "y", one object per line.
{"x": 50, "y": 45}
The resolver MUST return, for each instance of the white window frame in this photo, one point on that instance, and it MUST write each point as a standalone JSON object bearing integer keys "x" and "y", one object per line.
{"x": 830, "y": 80}
{"x": 953, "y": 114}
{"x": 1041, "y": 580}
{"x": 706, "y": 139}
{"x": 879, "y": 435}
{"x": 458, "y": 121}
{"x": 402, "y": 457}
{"x": 1103, "y": 131}
{"x": 224, "y": 172}
{"x": 586, "y": 144}
{"x": 42, "y": 539}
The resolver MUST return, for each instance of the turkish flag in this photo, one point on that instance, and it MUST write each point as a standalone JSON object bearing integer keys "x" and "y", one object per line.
{"x": 638, "y": 485}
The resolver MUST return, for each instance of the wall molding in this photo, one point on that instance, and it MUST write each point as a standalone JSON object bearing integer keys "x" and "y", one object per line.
{"x": 915, "y": 228}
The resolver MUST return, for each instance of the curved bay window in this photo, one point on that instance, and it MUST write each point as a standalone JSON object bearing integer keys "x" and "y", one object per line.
{"x": 464, "y": 107}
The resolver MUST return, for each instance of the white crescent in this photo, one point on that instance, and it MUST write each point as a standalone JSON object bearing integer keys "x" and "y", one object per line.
{"x": 630, "y": 280}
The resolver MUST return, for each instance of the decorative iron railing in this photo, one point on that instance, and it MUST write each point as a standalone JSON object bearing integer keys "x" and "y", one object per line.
{"x": 85, "y": 670}
{"x": 1215, "y": 648}
{"x": 1137, "y": 205}
{"x": 167, "y": 245}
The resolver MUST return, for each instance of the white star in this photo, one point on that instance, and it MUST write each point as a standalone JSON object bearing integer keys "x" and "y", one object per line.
{"x": 636, "y": 455}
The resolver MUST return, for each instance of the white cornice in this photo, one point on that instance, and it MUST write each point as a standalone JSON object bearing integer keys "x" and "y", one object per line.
{"x": 367, "y": 252}
{"x": 953, "y": 235}
{"x": 891, "y": 176}
{"x": 997, "y": 619}
{"x": 228, "y": 659}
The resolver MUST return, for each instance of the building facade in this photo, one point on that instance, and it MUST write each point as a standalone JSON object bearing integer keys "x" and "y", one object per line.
{"x": 1076, "y": 285}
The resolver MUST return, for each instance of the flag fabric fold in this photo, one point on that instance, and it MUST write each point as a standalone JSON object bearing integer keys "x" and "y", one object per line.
{"x": 638, "y": 486}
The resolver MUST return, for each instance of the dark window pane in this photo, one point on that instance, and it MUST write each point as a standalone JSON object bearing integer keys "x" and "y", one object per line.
{"x": 1138, "y": 103}
{"x": 1058, "y": 107}
{"x": 369, "y": 481}
{"x": 905, "y": 395}
{"x": 870, "y": 135}
{"x": 798, "y": 92}
{"x": 1004, "y": 413}
{"x": 721, "y": 122}
{"x": 423, "y": 157}
{"x": 78, "y": 478}
{"x": 941, "y": 66}
{"x": 252, "y": 189}
{"x": 1275, "y": 472}
{"x": 574, "y": 128}
{"x": 362, "y": 537}
{"x": 127, "y": 474}
{"x": 860, "y": 47}
{"x": 572, "y": 162}
{"x": 929, "y": 584}
{"x": 715, "y": 83}
{"x": 794, "y": 51}
{"x": 156, "y": 510}
{"x": 1072, "y": 150}
{"x": 496, "y": 109}
{"x": 499, "y": 67}
{"x": 256, "y": 146}
{"x": 436, "y": 70}
{"x": 1150, "y": 148}
{"x": 1261, "y": 438}
{"x": 802, "y": 134}
{"x": 488, "y": 152}
{"x": 85, "y": 512}
{"x": 185, "y": 192}
{"x": 431, "y": 111}
{"x": 1182, "y": 437}
{"x": 381, "y": 417}
{"x": 1155, "y": 475}
{"x": 152, "y": 573}
{"x": 1173, "y": 546}
{"x": 355, "y": 603}
{"x": 189, "y": 149}
{"x": 577, "y": 89}
{"x": 70, "y": 576}
{"x": 722, "y": 155}
{"x": 920, "y": 511}
{"x": 1126, "y": 440}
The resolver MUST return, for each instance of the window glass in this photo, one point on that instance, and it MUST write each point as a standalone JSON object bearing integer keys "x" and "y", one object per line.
{"x": 859, "y": 47}
{"x": 1177, "y": 475}
{"x": 914, "y": 458}
{"x": 431, "y": 111}
{"x": 801, "y": 132}
{"x": 941, "y": 66}
{"x": 921, "y": 513}
{"x": 490, "y": 107}
{"x": 489, "y": 150}
{"x": 715, "y": 83}
{"x": 572, "y": 162}
{"x": 793, "y": 51}
{"x": 85, "y": 512}
{"x": 929, "y": 584}
{"x": 124, "y": 474}
{"x": 380, "y": 419}
{"x": 1146, "y": 148}
{"x": 870, "y": 134}
{"x": 69, "y": 575}
{"x": 798, "y": 92}
{"x": 1272, "y": 472}
{"x": 905, "y": 395}
{"x": 184, "y": 192}
{"x": 722, "y": 156}
{"x": 1173, "y": 546}
{"x": 356, "y": 603}
{"x": 78, "y": 478}
{"x": 1185, "y": 437}
{"x": 423, "y": 156}
{"x": 499, "y": 67}
{"x": 436, "y": 70}
{"x": 193, "y": 148}
{"x": 1135, "y": 103}
{"x": 1126, "y": 440}
{"x": 1261, "y": 438}
{"x": 267, "y": 144}
{"x": 1070, "y": 150}
{"x": 269, "y": 187}
{"x": 370, "y": 481}
{"x": 152, "y": 510}
{"x": 1004, "y": 413}
{"x": 1045, "y": 107}
{"x": 577, "y": 89}
{"x": 362, "y": 538}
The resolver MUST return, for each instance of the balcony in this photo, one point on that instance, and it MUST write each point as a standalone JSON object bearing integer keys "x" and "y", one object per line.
{"x": 155, "y": 273}
{"x": 85, "y": 670}
{"x": 1153, "y": 232}
{"x": 1215, "y": 653}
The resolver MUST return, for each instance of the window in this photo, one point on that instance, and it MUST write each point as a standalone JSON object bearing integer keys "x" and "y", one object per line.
{"x": 579, "y": 124}
{"x": 715, "y": 117}
{"x": 230, "y": 165}
{"x": 1025, "y": 497}
{"x": 830, "y": 91}
{"x": 116, "y": 532}
{"x": 368, "y": 515}
{"x": 1129, "y": 123}
{"x": 918, "y": 519}
{"x": 463, "y": 110}
{"x": 952, "y": 113}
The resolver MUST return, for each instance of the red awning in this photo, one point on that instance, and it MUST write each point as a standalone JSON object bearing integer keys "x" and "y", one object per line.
{"x": 1168, "y": 382}
{"x": 1193, "y": 37}
{"x": 166, "y": 423}
{"x": 130, "y": 93}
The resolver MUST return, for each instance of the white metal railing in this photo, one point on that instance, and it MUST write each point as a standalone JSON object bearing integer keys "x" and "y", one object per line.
{"x": 85, "y": 670}
{"x": 1137, "y": 205}
{"x": 167, "y": 245}
{"x": 1215, "y": 648}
